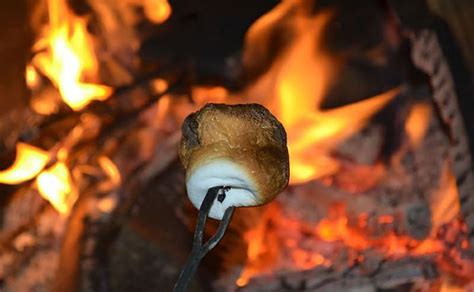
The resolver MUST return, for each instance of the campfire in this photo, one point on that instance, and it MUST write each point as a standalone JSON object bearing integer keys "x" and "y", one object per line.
{"x": 381, "y": 193}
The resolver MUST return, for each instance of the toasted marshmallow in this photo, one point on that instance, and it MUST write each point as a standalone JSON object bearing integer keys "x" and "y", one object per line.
{"x": 241, "y": 147}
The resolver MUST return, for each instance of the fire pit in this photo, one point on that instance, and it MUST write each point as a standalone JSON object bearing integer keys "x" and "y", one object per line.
{"x": 376, "y": 99}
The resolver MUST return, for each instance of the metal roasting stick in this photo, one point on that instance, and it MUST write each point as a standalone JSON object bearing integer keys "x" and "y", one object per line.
{"x": 199, "y": 249}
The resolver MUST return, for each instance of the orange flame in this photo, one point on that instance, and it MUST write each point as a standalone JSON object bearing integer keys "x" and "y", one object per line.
{"x": 417, "y": 122}
{"x": 67, "y": 56}
{"x": 110, "y": 169}
{"x": 260, "y": 256}
{"x": 266, "y": 246}
{"x": 322, "y": 130}
{"x": 294, "y": 89}
{"x": 444, "y": 202}
{"x": 300, "y": 89}
{"x": 31, "y": 77}
{"x": 336, "y": 228}
{"x": 301, "y": 77}
{"x": 157, "y": 11}
{"x": 159, "y": 85}
{"x": 276, "y": 234}
{"x": 55, "y": 185}
{"x": 203, "y": 95}
{"x": 29, "y": 162}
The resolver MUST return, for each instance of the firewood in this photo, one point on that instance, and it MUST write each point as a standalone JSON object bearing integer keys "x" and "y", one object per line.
{"x": 391, "y": 275}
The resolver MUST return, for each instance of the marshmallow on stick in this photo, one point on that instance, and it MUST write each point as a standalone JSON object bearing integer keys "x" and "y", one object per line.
{"x": 241, "y": 147}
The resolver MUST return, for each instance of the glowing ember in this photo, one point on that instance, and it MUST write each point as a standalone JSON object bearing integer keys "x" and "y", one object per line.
{"x": 29, "y": 162}
{"x": 261, "y": 256}
{"x": 67, "y": 57}
{"x": 157, "y": 11}
{"x": 336, "y": 228}
{"x": 306, "y": 260}
{"x": 159, "y": 85}
{"x": 110, "y": 169}
{"x": 277, "y": 235}
{"x": 55, "y": 185}
{"x": 107, "y": 205}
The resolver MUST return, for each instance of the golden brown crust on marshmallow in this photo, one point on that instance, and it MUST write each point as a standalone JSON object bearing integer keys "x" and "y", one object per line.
{"x": 247, "y": 134}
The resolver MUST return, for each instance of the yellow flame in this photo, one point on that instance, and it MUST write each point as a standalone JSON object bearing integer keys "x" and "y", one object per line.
{"x": 55, "y": 185}
{"x": 68, "y": 57}
{"x": 157, "y": 11}
{"x": 31, "y": 76}
{"x": 296, "y": 84}
{"x": 29, "y": 162}
{"x": 324, "y": 129}
{"x": 302, "y": 77}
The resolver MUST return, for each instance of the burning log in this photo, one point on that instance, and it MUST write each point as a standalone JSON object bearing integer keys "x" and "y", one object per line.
{"x": 436, "y": 53}
{"x": 391, "y": 275}
{"x": 33, "y": 241}
{"x": 356, "y": 215}
{"x": 398, "y": 213}
{"x": 446, "y": 99}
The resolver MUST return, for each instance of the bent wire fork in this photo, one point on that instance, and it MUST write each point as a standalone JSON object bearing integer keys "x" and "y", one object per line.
{"x": 199, "y": 249}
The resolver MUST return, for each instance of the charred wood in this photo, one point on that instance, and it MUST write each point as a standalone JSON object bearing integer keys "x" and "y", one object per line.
{"x": 388, "y": 277}
{"x": 428, "y": 55}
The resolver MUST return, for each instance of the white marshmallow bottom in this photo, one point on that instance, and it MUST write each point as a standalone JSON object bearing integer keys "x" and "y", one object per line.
{"x": 221, "y": 172}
